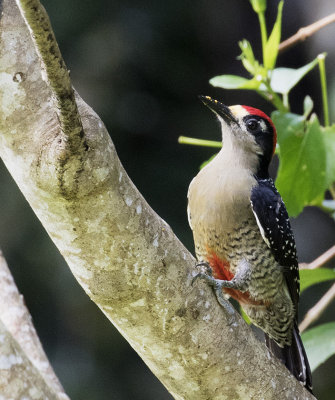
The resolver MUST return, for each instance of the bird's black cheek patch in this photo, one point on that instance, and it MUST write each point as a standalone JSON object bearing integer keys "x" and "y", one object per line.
{"x": 265, "y": 141}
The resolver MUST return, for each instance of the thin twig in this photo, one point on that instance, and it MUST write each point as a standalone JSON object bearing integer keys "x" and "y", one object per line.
{"x": 54, "y": 69}
{"x": 199, "y": 142}
{"x": 321, "y": 260}
{"x": 323, "y": 81}
{"x": 305, "y": 32}
{"x": 315, "y": 312}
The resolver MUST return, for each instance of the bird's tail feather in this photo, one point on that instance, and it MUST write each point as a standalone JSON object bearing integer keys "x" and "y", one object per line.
{"x": 294, "y": 357}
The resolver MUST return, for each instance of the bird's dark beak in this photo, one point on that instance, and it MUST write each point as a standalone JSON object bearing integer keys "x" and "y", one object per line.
{"x": 220, "y": 109}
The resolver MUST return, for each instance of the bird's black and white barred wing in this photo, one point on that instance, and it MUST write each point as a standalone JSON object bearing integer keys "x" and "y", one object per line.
{"x": 274, "y": 224}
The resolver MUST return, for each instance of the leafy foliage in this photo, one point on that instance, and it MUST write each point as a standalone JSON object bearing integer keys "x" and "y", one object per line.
{"x": 309, "y": 277}
{"x": 328, "y": 134}
{"x": 302, "y": 172}
{"x": 307, "y": 159}
{"x": 319, "y": 343}
{"x": 234, "y": 82}
{"x": 283, "y": 80}
{"x": 272, "y": 44}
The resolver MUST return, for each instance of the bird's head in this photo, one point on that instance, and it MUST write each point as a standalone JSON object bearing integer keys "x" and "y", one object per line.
{"x": 248, "y": 129}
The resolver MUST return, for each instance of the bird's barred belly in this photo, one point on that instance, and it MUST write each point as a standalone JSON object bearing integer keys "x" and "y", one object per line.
{"x": 243, "y": 243}
{"x": 266, "y": 301}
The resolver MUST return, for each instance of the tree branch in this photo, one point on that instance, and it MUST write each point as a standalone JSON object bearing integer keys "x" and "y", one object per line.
{"x": 315, "y": 312}
{"x": 19, "y": 379}
{"x": 321, "y": 260}
{"x": 54, "y": 70}
{"x": 125, "y": 257}
{"x": 305, "y": 32}
{"x": 24, "y": 365}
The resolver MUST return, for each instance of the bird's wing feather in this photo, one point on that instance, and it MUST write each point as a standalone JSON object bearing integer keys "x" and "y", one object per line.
{"x": 274, "y": 225}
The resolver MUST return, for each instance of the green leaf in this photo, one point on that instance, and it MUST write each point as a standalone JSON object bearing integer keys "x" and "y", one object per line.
{"x": 208, "y": 161}
{"x": 319, "y": 343}
{"x": 309, "y": 277}
{"x": 302, "y": 170}
{"x": 244, "y": 316}
{"x": 329, "y": 139}
{"x": 284, "y": 79}
{"x": 288, "y": 125}
{"x": 272, "y": 44}
{"x": 258, "y": 5}
{"x": 234, "y": 82}
{"x": 247, "y": 57}
{"x": 308, "y": 106}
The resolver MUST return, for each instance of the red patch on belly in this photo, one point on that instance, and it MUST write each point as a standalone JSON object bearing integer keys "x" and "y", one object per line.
{"x": 221, "y": 270}
{"x": 220, "y": 267}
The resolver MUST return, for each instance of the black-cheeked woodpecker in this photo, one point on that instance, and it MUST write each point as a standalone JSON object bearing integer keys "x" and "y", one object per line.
{"x": 242, "y": 231}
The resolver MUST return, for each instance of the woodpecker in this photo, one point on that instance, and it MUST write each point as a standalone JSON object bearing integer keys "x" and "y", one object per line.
{"x": 242, "y": 231}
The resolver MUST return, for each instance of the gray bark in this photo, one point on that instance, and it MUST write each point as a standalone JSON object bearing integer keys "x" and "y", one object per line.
{"x": 125, "y": 257}
{"x": 25, "y": 371}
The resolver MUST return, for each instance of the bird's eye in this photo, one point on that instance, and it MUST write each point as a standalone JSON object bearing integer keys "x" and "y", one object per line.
{"x": 252, "y": 125}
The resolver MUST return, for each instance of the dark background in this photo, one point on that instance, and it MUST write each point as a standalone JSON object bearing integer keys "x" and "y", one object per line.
{"x": 141, "y": 65}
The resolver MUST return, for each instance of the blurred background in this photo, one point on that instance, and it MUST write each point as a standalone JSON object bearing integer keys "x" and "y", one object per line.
{"x": 141, "y": 64}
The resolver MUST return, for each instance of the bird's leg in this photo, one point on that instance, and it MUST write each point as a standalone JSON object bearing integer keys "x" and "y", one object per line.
{"x": 207, "y": 275}
{"x": 241, "y": 279}
{"x": 239, "y": 282}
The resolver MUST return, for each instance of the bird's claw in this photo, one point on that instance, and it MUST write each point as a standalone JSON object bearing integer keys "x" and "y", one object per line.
{"x": 217, "y": 285}
{"x": 205, "y": 274}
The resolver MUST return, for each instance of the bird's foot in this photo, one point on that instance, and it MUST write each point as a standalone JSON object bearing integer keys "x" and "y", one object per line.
{"x": 205, "y": 269}
{"x": 217, "y": 285}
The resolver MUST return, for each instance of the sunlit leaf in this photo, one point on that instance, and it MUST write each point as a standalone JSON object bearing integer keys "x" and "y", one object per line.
{"x": 308, "y": 105}
{"x": 248, "y": 59}
{"x": 284, "y": 79}
{"x": 302, "y": 170}
{"x": 272, "y": 44}
{"x": 234, "y": 82}
{"x": 319, "y": 343}
{"x": 309, "y": 277}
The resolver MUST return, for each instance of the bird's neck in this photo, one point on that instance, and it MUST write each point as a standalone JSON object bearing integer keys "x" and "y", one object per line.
{"x": 263, "y": 168}
{"x": 234, "y": 158}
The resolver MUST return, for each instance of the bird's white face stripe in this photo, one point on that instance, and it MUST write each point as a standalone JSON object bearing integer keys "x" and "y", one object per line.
{"x": 263, "y": 125}
{"x": 238, "y": 111}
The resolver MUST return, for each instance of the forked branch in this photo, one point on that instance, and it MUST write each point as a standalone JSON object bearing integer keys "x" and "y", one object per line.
{"x": 315, "y": 312}
{"x": 305, "y": 32}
